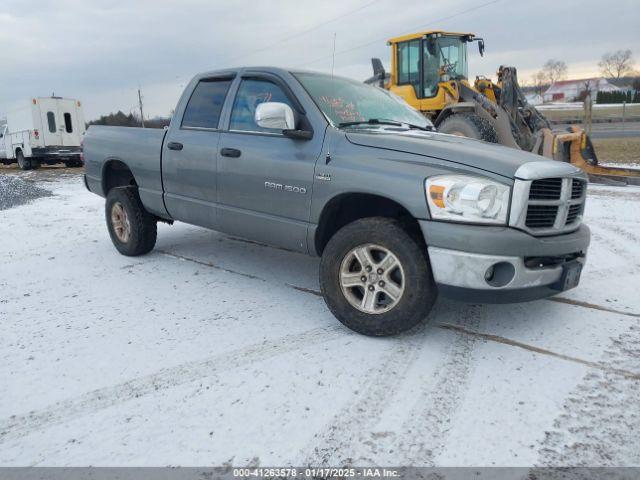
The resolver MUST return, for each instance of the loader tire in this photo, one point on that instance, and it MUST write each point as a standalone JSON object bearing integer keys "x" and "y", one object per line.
{"x": 132, "y": 229}
{"x": 469, "y": 125}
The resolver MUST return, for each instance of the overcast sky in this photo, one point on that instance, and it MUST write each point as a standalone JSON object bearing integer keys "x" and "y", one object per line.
{"x": 100, "y": 51}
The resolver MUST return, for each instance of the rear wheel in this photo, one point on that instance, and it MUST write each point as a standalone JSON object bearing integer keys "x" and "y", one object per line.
{"x": 469, "y": 125}
{"x": 23, "y": 163}
{"x": 132, "y": 229}
{"x": 376, "y": 278}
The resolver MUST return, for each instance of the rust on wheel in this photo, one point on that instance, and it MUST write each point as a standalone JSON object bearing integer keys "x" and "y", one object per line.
{"x": 120, "y": 222}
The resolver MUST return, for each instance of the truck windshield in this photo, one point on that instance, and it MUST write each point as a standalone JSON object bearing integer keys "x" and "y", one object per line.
{"x": 345, "y": 101}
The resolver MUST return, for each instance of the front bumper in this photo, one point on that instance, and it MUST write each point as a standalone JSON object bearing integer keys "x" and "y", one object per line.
{"x": 498, "y": 264}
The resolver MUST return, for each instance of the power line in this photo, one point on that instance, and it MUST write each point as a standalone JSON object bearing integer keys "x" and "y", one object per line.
{"x": 417, "y": 28}
{"x": 304, "y": 32}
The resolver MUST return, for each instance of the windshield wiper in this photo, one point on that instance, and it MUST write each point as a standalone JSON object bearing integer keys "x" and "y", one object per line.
{"x": 384, "y": 121}
{"x": 371, "y": 121}
{"x": 427, "y": 128}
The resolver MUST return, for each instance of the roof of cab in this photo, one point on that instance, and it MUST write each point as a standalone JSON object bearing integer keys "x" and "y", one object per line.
{"x": 413, "y": 36}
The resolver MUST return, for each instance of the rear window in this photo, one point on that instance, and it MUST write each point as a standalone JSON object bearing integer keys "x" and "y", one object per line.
{"x": 204, "y": 106}
{"x": 51, "y": 120}
{"x": 67, "y": 123}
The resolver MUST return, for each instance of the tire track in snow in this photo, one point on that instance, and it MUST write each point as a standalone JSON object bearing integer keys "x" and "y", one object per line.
{"x": 603, "y": 236}
{"x": 423, "y": 434}
{"x": 21, "y": 425}
{"x": 341, "y": 439}
{"x": 600, "y": 419}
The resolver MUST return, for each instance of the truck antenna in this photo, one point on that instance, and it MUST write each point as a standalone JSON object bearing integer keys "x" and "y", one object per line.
{"x": 140, "y": 103}
{"x": 333, "y": 56}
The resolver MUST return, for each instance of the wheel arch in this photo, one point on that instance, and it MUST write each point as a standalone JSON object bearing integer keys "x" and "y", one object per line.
{"x": 347, "y": 207}
{"x": 116, "y": 173}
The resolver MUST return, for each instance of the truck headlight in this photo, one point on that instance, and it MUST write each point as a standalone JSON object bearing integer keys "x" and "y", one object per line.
{"x": 467, "y": 198}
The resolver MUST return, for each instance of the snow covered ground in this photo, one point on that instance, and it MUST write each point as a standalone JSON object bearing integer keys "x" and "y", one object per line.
{"x": 214, "y": 350}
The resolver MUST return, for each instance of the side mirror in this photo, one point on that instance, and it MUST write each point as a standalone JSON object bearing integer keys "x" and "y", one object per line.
{"x": 275, "y": 115}
{"x": 481, "y": 47}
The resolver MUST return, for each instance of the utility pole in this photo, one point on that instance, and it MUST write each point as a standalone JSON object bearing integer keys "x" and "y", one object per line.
{"x": 141, "y": 112}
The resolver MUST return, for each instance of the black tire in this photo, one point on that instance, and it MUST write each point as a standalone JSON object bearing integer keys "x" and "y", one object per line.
{"x": 420, "y": 291}
{"x": 23, "y": 163}
{"x": 143, "y": 229}
{"x": 469, "y": 125}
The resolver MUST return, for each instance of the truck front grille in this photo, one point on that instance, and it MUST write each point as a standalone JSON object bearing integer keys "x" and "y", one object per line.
{"x": 548, "y": 206}
{"x": 541, "y": 216}
{"x": 577, "y": 188}
{"x": 545, "y": 189}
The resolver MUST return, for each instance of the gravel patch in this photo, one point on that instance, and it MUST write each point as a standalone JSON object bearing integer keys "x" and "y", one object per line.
{"x": 15, "y": 191}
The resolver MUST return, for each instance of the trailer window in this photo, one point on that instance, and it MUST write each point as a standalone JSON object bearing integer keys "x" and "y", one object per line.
{"x": 205, "y": 104}
{"x": 67, "y": 123}
{"x": 51, "y": 119}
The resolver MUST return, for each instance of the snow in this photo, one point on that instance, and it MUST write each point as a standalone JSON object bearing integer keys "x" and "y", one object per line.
{"x": 620, "y": 165}
{"x": 205, "y": 352}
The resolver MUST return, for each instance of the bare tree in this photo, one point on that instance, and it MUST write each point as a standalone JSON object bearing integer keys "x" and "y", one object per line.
{"x": 554, "y": 70}
{"x": 539, "y": 82}
{"x": 616, "y": 64}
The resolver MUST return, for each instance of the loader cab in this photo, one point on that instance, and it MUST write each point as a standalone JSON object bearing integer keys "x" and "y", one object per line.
{"x": 422, "y": 65}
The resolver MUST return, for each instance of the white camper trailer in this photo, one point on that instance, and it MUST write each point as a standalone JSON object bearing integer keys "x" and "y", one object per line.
{"x": 46, "y": 130}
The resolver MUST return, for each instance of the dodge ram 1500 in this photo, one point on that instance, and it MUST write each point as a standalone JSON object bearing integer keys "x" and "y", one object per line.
{"x": 335, "y": 168}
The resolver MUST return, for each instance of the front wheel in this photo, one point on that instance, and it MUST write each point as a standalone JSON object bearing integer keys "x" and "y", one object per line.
{"x": 133, "y": 230}
{"x": 375, "y": 277}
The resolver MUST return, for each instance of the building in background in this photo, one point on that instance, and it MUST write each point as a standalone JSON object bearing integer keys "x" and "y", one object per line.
{"x": 574, "y": 90}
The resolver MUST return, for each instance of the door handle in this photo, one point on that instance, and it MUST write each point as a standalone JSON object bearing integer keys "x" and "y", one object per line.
{"x": 174, "y": 146}
{"x": 230, "y": 152}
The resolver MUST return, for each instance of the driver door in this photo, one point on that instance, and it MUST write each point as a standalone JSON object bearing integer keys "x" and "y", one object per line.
{"x": 265, "y": 178}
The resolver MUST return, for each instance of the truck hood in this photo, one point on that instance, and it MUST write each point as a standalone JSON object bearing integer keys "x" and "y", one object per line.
{"x": 465, "y": 151}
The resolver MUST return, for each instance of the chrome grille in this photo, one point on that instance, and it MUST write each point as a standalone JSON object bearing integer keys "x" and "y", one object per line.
{"x": 548, "y": 206}
{"x": 541, "y": 216}
{"x": 577, "y": 187}
{"x": 574, "y": 212}
{"x": 545, "y": 189}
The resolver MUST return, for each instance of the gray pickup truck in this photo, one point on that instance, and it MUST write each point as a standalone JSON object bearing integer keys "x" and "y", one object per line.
{"x": 335, "y": 168}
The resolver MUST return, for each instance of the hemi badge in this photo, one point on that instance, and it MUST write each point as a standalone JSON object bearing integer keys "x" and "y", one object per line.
{"x": 323, "y": 176}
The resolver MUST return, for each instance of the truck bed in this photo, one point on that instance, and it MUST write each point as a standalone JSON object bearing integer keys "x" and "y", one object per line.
{"x": 139, "y": 148}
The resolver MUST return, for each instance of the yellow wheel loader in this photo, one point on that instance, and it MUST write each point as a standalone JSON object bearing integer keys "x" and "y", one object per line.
{"x": 429, "y": 70}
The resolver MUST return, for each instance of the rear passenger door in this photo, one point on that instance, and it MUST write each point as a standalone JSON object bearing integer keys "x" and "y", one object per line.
{"x": 189, "y": 154}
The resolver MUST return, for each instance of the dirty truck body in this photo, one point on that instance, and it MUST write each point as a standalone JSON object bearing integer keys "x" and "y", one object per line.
{"x": 398, "y": 213}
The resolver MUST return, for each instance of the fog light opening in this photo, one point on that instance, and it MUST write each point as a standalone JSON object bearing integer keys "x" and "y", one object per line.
{"x": 499, "y": 274}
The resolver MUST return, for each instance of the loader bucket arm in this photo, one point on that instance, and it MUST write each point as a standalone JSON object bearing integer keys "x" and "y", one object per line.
{"x": 533, "y": 132}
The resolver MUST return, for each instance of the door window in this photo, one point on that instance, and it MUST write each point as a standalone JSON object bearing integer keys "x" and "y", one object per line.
{"x": 67, "y": 123}
{"x": 51, "y": 120}
{"x": 252, "y": 93}
{"x": 409, "y": 63}
{"x": 204, "y": 106}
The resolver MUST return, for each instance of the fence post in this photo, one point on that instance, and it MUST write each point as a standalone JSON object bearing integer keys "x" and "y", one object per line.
{"x": 624, "y": 110}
